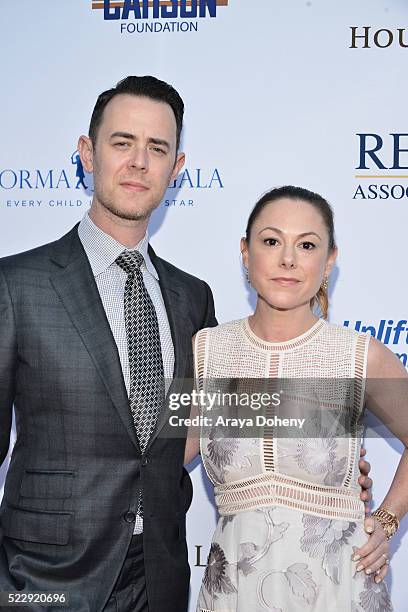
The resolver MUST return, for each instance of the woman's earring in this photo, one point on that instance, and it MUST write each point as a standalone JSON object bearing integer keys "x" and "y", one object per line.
{"x": 325, "y": 283}
{"x": 247, "y": 276}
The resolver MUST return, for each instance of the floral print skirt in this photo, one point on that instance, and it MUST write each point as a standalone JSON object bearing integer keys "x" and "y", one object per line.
{"x": 283, "y": 560}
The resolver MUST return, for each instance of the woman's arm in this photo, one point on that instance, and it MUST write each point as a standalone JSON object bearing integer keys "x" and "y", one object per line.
{"x": 387, "y": 398}
{"x": 192, "y": 448}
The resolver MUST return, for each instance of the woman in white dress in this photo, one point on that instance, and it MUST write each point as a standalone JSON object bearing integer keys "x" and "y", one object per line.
{"x": 292, "y": 534}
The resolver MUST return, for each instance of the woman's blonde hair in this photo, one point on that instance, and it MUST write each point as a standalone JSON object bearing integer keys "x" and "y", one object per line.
{"x": 321, "y": 300}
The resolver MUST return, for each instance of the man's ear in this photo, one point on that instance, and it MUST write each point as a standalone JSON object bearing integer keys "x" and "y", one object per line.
{"x": 85, "y": 149}
{"x": 179, "y": 163}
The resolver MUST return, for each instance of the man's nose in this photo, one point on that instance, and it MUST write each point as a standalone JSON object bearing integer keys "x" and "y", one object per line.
{"x": 139, "y": 158}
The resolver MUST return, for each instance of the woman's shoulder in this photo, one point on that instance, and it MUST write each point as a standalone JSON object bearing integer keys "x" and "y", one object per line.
{"x": 382, "y": 362}
{"x": 223, "y": 330}
{"x": 342, "y": 331}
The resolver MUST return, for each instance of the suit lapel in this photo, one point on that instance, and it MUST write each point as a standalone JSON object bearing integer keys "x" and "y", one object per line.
{"x": 75, "y": 284}
{"x": 177, "y": 310}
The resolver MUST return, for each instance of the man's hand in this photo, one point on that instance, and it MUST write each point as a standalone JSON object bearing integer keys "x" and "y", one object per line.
{"x": 365, "y": 482}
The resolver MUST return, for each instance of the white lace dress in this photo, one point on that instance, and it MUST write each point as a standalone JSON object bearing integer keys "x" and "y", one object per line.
{"x": 290, "y": 512}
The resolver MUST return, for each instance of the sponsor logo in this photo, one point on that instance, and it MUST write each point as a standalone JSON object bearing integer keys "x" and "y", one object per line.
{"x": 157, "y": 16}
{"x": 367, "y": 37}
{"x": 383, "y": 166}
{"x": 31, "y": 187}
{"x": 182, "y": 193}
{"x": 387, "y": 331}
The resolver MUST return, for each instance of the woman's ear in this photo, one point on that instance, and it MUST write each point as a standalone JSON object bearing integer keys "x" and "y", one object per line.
{"x": 331, "y": 260}
{"x": 244, "y": 251}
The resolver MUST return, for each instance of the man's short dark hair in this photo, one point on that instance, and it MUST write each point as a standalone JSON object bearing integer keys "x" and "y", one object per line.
{"x": 144, "y": 87}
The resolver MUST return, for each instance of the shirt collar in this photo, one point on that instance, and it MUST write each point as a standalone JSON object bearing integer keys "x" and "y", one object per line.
{"x": 102, "y": 250}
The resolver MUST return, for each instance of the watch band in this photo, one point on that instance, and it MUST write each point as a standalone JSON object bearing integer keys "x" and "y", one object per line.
{"x": 388, "y": 521}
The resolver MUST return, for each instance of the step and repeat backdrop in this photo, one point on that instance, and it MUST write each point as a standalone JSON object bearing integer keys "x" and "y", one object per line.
{"x": 311, "y": 93}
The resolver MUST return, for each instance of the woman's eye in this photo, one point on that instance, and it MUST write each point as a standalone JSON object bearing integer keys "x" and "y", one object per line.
{"x": 270, "y": 241}
{"x": 308, "y": 246}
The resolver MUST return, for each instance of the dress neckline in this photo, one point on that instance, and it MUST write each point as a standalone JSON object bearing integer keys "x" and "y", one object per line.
{"x": 291, "y": 344}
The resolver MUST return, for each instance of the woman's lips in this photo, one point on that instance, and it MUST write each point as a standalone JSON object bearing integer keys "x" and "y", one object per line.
{"x": 286, "y": 282}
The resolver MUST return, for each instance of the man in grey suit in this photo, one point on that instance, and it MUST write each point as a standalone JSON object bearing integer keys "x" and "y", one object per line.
{"x": 93, "y": 329}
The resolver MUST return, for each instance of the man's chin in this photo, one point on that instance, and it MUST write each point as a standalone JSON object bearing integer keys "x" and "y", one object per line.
{"x": 129, "y": 215}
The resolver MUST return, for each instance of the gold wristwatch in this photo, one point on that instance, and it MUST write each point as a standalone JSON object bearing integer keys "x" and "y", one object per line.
{"x": 388, "y": 521}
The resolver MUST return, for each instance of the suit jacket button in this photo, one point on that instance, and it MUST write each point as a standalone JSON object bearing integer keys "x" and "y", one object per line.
{"x": 129, "y": 517}
{"x": 144, "y": 461}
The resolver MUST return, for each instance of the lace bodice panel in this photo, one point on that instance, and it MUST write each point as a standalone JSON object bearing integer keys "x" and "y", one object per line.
{"x": 324, "y": 353}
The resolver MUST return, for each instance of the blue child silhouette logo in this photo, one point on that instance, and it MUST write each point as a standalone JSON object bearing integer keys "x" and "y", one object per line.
{"x": 80, "y": 174}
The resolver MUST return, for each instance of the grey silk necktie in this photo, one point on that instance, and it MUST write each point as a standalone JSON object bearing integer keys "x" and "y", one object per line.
{"x": 146, "y": 393}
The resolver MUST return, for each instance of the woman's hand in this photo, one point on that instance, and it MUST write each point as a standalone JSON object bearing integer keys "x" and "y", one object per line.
{"x": 373, "y": 557}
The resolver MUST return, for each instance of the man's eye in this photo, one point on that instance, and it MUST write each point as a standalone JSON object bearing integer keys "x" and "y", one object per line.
{"x": 158, "y": 150}
{"x": 121, "y": 144}
{"x": 270, "y": 241}
{"x": 308, "y": 246}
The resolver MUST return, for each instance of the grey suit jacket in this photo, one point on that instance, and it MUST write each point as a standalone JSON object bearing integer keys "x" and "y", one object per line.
{"x": 71, "y": 490}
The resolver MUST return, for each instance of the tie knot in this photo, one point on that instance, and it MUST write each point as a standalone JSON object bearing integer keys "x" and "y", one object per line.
{"x": 130, "y": 261}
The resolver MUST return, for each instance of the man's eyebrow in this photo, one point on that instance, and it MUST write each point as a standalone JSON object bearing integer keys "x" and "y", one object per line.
{"x": 159, "y": 141}
{"x": 129, "y": 136}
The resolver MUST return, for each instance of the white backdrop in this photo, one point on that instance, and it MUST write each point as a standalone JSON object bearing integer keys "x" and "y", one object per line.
{"x": 275, "y": 93}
